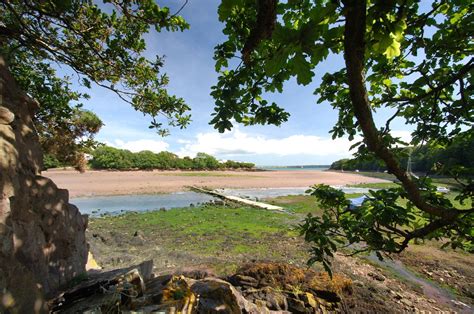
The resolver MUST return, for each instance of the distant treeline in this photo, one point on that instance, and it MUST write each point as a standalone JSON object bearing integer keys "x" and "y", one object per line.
{"x": 106, "y": 157}
{"x": 423, "y": 159}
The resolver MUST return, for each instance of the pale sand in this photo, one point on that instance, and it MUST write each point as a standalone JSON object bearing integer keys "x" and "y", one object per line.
{"x": 149, "y": 182}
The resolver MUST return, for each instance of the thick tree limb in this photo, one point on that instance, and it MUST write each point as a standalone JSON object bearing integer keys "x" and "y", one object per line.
{"x": 424, "y": 231}
{"x": 263, "y": 28}
{"x": 354, "y": 47}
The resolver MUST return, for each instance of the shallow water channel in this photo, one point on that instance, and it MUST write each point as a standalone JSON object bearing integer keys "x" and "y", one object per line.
{"x": 117, "y": 204}
{"x": 430, "y": 288}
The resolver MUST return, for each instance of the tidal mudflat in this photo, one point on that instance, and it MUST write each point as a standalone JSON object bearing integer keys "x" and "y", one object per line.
{"x": 94, "y": 183}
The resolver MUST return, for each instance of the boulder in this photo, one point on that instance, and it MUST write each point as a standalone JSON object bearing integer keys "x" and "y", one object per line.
{"x": 274, "y": 300}
{"x": 297, "y": 306}
{"x": 219, "y": 296}
{"x": 42, "y": 235}
{"x": 309, "y": 299}
{"x": 242, "y": 280}
{"x": 6, "y": 116}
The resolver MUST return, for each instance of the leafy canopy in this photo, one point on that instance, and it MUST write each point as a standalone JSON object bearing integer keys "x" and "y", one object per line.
{"x": 65, "y": 130}
{"x": 103, "y": 44}
{"x": 68, "y": 139}
{"x": 415, "y": 62}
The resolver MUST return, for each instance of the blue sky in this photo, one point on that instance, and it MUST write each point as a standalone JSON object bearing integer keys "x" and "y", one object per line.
{"x": 304, "y": 139}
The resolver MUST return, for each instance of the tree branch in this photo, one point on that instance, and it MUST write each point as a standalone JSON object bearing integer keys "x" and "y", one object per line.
{"x": 354, "y": 55}
{"x": 387, "y": 124}
{"x": 180, "y": 9}
{"x": 424, "y": 231}
{"x": 465, "y": 70}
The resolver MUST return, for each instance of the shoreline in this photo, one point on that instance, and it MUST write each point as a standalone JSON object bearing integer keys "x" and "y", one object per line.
{"x": 106, "y": 183}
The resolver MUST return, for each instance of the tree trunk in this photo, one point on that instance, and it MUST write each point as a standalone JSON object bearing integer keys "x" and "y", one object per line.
{"x": 354, "y": 55}
{"x": 354, "y": 50}
{"x": 42, "y": 236}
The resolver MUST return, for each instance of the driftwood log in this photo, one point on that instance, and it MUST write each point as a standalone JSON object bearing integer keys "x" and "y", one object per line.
{"x": 237, "y": 199}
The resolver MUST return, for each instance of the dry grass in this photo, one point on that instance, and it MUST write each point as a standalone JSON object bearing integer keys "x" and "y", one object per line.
{"x": 289, "y": 277}
{"x": 276, "y": 275}
{"x": 338, "y": 283}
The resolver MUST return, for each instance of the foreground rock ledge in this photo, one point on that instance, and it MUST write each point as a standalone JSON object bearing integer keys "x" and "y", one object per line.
{"x": 42, "y": 236}
{"x": 255, "y": 288}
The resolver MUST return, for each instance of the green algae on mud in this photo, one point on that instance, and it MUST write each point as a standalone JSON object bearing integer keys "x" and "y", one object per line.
{"x": 218, "y": 236}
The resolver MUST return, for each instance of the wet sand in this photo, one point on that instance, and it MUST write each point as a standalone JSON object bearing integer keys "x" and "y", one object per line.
{"x": 149, "y": 182}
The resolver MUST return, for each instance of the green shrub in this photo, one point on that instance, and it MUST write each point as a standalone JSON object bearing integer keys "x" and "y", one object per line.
{"x": 146, "y": 160}
{"x": 185, "y": 163}
{"x": 205, "y": 161}
{"x": 106, "y": 157}
{"x": 112, "y": 158}
{"x": 167, "y": 160}
{"x": 50, "y": 161}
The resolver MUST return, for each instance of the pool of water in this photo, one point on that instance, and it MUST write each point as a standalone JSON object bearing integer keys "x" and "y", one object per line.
{"x": 117, "y": 204}
{"x": 259, "y": 194}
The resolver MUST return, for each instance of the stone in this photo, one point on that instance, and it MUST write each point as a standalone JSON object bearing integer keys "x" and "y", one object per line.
{"x": 218, "y": 296}
{"x": 6, "y": 116}
{"x": 358, "y": 283}
{"x": 195, "y": 273}
{"x": 136, "y": 290}
{"x": 407, "y": 302}
{"x": 274, "y": 300}
{"x": 461, "y": 304}
{"x": 242, "y": 280}
{"x": 92, "y": 263}
{"x": 42, "y": 235}
{"x": 376, "y": 276}
{"x": 296, "y": 306}
{"x": 309, "y": 299}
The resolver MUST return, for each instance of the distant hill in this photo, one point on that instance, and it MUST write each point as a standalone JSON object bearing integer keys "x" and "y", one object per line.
{"x": 424, "y": 159}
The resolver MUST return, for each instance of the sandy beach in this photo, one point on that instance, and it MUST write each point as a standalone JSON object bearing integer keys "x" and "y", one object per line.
{"x": 148, "y": 182}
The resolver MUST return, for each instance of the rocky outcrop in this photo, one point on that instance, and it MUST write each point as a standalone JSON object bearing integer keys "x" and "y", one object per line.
{"x": 137, "y": 289}
{"x": 42, "y": 236}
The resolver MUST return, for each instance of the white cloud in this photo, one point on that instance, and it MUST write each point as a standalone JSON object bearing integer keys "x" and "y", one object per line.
{"x": 139, "y": 145}
{"x": 241, "y": 143}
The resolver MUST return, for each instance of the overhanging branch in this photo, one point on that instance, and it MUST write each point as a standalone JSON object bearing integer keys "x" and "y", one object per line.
{"x": 354, "y": 55}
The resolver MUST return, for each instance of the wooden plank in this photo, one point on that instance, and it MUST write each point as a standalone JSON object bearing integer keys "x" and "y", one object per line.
{"x": 237, "y": 199}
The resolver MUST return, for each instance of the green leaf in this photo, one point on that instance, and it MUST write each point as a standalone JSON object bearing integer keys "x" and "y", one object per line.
{"x": 301, "y": 68}
{"x": 86, "y": 82}
{"x": 387, "y": 82}
{"x": 273, "y": 65}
